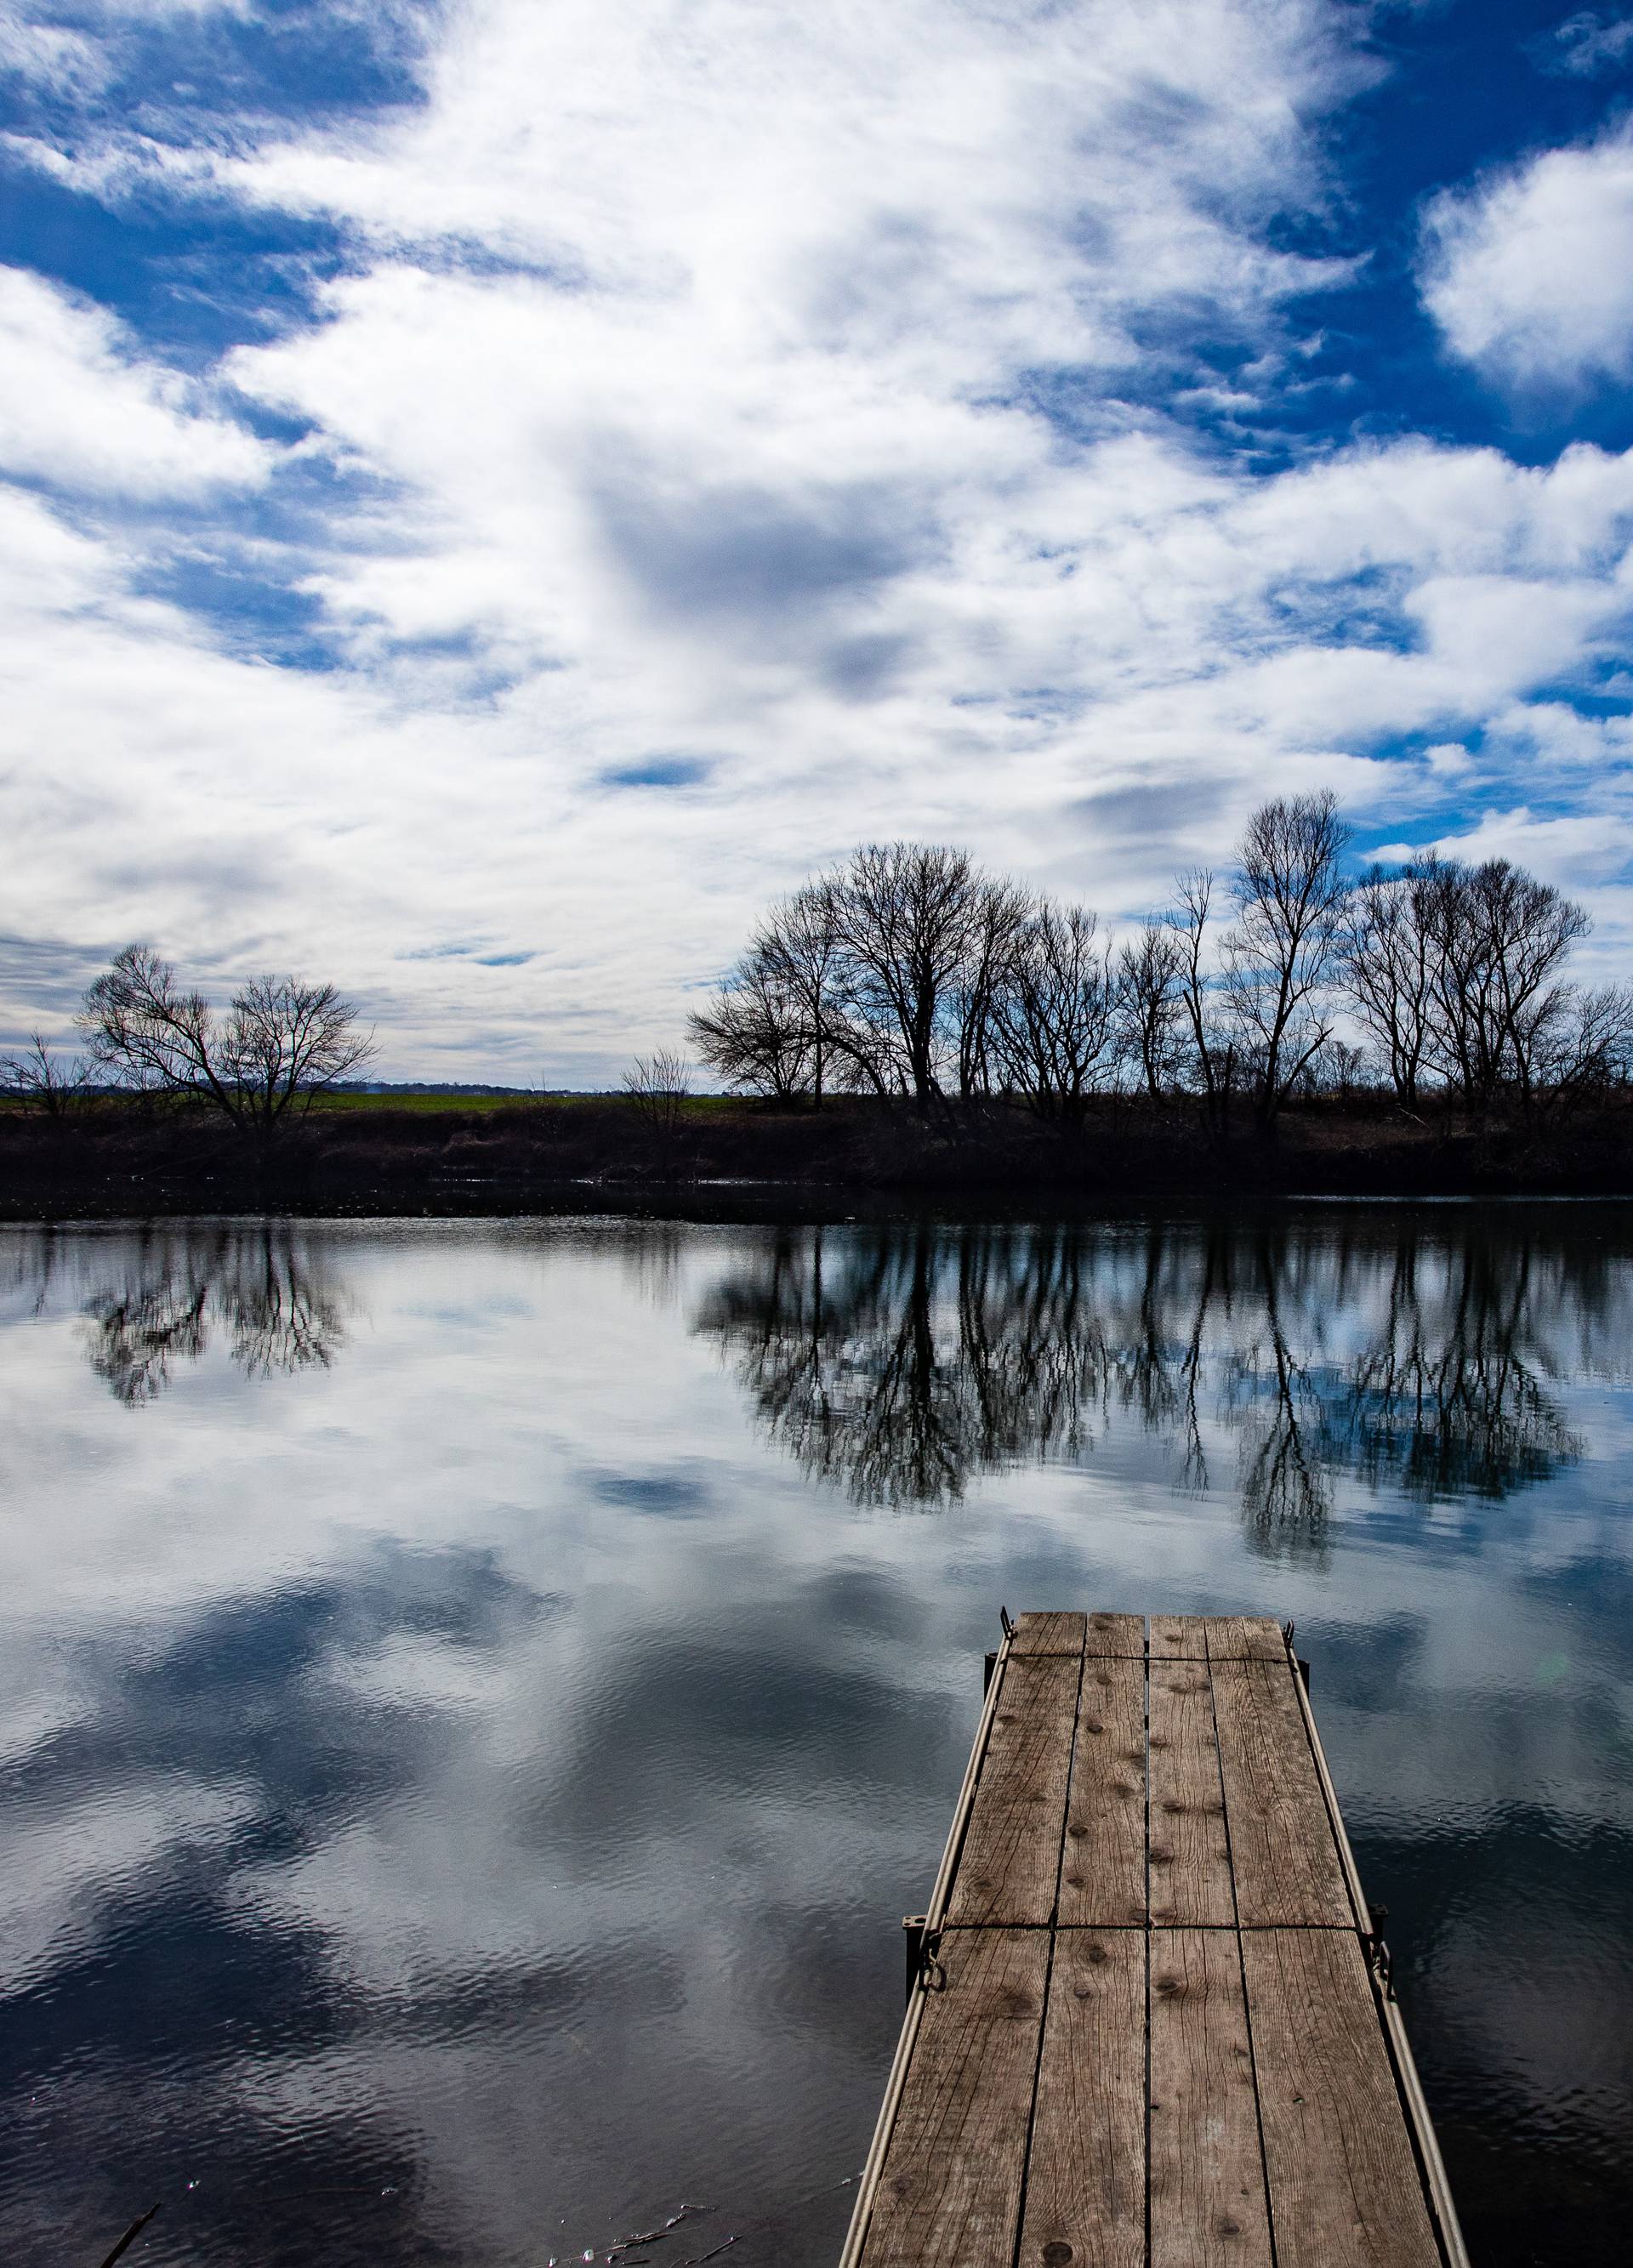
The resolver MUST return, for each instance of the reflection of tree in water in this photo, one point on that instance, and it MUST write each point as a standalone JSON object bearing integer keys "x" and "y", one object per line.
{"x": 899, "y": 1362}
{"x": 1451, "y": 1396}
{"x": 259, "y": 1285}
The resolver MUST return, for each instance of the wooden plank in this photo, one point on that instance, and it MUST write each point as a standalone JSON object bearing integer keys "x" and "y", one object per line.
{"x": 1048, "y": 1634}
{"x": 1245, "y": 1638}
{"x": 1345, "y": 2189}
{"x": 1158, "y": 2043}
{"x": 1010, "y": 1868}
{"x": 1103, "y": 1871}
{"x": 1115, "y": 1638}
{"x": 1085, "y": 2191}
{"x": 1207, "y": 2171}
{"x": 1178, "y": 1637}
{"x": 1189, "y": 1847}
{"x": 1281, "y": 1847}
{"x": 949, "y": 2189}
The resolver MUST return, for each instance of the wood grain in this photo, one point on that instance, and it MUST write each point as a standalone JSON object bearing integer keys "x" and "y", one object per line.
{"x": 949, "y": 2189}
{"x": 1009, "y": 1866}
{"x": 1158, "y": 2043}
{"x": 1085, "y": 2192}
{"x": 1178, "y": 1637}
{"x": 1207, "y": 2172}
{"x": 1103, "y": 1871}
{"x": 1282, "y": 1846}
{"x": 1344, "y": 2185}
{"x": 1048, "y": 1634}
{"x": 1245, "y": 1638}
{"x": 1189, "y": 1848}
{"x": 1115, "y": 1638}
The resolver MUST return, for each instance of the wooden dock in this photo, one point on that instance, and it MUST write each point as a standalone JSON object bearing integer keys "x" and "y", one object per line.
{"x": 1150, "y": 2021}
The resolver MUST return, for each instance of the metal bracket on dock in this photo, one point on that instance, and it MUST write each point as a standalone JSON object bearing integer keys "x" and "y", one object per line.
{"x": 1299, "y": 1663}
{"x": 1378, "y": 1956}
{"x": 1003, "y": 1616}
{"x": 921, "y": 1943}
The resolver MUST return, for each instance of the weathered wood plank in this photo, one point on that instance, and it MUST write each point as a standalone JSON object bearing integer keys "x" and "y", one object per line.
{"x": 1178, "y": 1637}
{"x": 1207, "y": 2171}
{"x": 1103, "y": 1870}
{"x": 1047, "y": 1634}
{"x": 1115, "y": 1638}
{"x": 1008, "y": 1869}
{"x": 1151, "y": 1850}
{"x": 1285, "y": 1859}
{"x": 1086, "y": 2186}
{"x": 1245, "y": 1638}
{"x": 1189, "y": 1849}
{"x": 1345, "y": 2190}
{"x": 950, "y": 2190}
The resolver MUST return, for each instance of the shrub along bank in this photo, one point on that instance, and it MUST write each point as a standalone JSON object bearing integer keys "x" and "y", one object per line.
{"x": 726, "y": 1157}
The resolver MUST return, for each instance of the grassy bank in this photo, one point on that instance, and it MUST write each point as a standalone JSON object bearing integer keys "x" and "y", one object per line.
{"x": 410, "y": 1154}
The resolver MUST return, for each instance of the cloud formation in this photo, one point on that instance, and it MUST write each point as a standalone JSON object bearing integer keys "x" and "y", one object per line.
{"x": 81, "y": 408}
{"x": 1530, "y": 273}
{"x": 676, "y": 448}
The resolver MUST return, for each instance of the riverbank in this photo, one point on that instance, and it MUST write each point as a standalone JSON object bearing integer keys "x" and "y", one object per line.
{"x": 724, "y": 1159}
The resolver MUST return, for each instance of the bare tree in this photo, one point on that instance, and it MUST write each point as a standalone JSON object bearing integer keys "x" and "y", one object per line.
{"x": 1390, "y": 962}
{"x": 1529, "y": 929}
{"x": 906, "y": 915}
{"x": 752, "y": 1032}
{"x": 1502, "y": 938}
{"x": 1586, "y": 1050}
{"x": 40, "y": 1079}
{"x": 1001, "y": 943}
{"x": 282, "y": 1042}
{"x": 802, "y": 946}
{"x": 1051, "y": 1020}
{"x": 285, "y": 1042}
{"x": 779, "y": 1026}
{"x": 1211, "y": 1039}
{"x": 658, "y": 1086}
{"x": 1282, "y": 951}
{"x": 1150, "y": 1004}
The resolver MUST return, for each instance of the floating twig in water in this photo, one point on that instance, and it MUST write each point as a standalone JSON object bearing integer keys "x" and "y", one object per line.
{"x": 657, "y": 2235}
{"x": 616, "y": 2252}
{"x": 617, "y": 2255}
{"x": 130, "y": 2235}
{"x": 770, "y": 2220}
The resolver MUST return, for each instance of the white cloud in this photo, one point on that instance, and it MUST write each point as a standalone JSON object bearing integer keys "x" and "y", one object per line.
{"x": 1587, "y": 44}
{"x": 1530, "y": 274}
{"x": 79, "y": 408}
{"x": 50, "y": 56}
{"x": 774, "y": 394}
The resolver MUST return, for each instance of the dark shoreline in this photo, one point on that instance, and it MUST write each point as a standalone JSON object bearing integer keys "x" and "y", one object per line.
{"x": 742, "y": 1162}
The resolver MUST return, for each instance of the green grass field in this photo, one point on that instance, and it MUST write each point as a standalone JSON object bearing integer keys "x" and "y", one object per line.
{"x": 419, "y": 1102}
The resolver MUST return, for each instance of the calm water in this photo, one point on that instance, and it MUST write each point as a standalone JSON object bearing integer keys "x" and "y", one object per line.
{"x": 476, "y": 1699}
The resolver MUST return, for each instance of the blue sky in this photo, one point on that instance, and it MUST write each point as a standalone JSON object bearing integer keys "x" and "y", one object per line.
{"x": 494, "y": 491}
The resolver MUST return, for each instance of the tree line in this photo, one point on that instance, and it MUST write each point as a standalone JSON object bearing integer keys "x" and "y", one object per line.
{"x": 909, "y": 972}
{"x": 281, "y": 1043}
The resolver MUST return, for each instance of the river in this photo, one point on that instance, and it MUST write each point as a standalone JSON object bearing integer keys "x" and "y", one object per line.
{"x": 476, "y": 1697}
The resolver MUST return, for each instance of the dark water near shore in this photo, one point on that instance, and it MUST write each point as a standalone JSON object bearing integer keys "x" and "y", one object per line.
{"x": 476, "y": 1699}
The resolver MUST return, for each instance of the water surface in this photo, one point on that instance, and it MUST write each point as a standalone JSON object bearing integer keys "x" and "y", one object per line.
{"x": 476, "y": 1699}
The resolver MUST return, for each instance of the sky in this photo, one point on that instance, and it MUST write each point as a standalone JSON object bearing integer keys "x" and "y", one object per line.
{"x": 493, "y": 492}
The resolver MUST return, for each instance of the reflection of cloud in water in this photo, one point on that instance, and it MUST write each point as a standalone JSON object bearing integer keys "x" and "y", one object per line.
{"x": 480, "y": 1777}
{"x": 902, "y": 1362}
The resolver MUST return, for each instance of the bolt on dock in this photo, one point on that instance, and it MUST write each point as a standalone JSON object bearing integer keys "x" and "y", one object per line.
{"x": 1149, "y": 2020}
